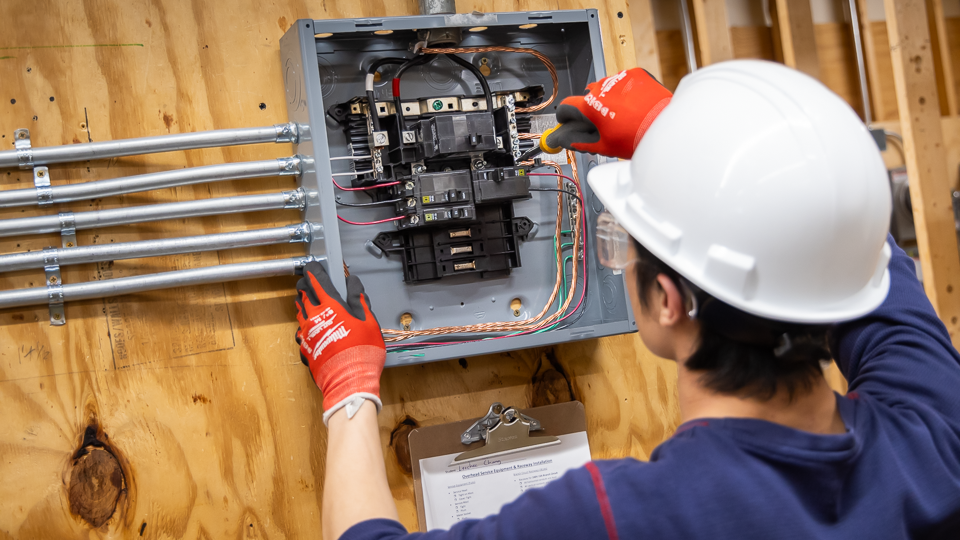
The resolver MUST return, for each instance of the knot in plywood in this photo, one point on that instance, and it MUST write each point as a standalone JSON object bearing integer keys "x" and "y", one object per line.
{"x": 96, "y": 480}
{"x": 400, "y": 444}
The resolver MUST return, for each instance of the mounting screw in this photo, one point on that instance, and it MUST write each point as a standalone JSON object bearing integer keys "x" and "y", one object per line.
{"x": 53, "y": 280}
{"x": 515, "y": 305}
{"x": 479, "y": 164}
{"x": 417, "y": 169}
{"x": 406, "y": 320}
{"x": 41, "y": 173}
{"x": 380, "y": 138}
{"x": 22, "y": 135}
{"x": 56, "y": 316}
{"x": 69, "y": 244}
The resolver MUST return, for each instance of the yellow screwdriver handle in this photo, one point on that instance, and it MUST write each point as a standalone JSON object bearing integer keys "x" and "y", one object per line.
{"x": 543, "y": 141}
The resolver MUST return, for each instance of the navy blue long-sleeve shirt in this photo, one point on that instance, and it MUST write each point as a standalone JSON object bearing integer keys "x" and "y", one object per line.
{"x": 895, "y": 473}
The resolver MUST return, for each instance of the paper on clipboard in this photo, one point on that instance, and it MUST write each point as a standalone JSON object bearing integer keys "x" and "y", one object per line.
{"x": 454, "y": 492}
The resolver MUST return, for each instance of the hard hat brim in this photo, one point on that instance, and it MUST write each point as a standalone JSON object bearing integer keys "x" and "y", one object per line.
{"x": 666, "y": 243}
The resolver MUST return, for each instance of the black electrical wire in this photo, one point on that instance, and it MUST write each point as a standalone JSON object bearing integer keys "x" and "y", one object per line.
{"x": 479, "y": 75}
{"x": 570, "y": 193}
{"x": 376, "y": 203}
{"x": 415, "y": 61}
{"x": 371, "y": 98}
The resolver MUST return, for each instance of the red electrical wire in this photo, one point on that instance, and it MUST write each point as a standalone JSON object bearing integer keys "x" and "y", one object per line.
{"x": 388, "y": 184}
{"x": 370, "y": 222}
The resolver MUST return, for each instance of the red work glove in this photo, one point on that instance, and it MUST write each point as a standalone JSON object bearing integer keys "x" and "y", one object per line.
{"x": 611, "y": 118}
{"x": 340, "y": 342}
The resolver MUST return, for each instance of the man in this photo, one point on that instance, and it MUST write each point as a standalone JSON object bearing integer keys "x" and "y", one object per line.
{"x": 751, "y": 226}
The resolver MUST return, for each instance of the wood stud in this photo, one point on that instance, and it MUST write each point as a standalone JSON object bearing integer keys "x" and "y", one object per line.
{"x": 930, "y": 186}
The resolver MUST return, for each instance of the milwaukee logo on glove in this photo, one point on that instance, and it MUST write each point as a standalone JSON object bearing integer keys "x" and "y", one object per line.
{"x": 586, "y": 123}
{"x": 339, "y": 341}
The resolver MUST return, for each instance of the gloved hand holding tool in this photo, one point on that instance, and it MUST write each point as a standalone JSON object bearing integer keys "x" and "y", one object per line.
{"x": 340, "y": 342}
{"x": 611, "y": 119}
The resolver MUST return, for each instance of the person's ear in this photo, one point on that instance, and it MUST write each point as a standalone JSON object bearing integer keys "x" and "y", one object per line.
{"x": 671, "y": 302}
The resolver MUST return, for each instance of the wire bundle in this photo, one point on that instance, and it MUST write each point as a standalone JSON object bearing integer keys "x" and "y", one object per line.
{"x": 539, "y": 56}
{"x": 541, "y": 321}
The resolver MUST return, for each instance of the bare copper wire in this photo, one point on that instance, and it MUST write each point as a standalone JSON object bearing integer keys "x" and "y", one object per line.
{"x": 537, "y": 322}
{"x": 540, "y": 56}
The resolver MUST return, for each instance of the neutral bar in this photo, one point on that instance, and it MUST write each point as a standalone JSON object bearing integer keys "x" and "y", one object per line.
{"x": 30, "y": 157}
{"x": 146, "y": 182}
{"x": 152, "y": 282}
{"x": 153, "y": 212}
{"x": 299, "y": 232}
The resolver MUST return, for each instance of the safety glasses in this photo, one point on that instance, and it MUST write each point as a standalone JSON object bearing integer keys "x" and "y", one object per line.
{"x": 615, "y": 251}
{"x": 614, "y": 243}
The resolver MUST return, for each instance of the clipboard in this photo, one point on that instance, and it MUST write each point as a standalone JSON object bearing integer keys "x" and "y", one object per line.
{"x": 432, "y": 441}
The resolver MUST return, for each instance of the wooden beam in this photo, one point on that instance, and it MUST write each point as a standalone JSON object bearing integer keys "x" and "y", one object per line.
{"x": 713, "y": 31}
{"x": 793, "y": 33}
{"x": 645, "y": 37}
{"x": 941, "y": 58}
{"x": 916, "y": 84}
{"x": 870, "y": 58}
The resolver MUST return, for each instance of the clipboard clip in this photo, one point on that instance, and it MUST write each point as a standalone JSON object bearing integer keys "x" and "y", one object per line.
{"x": 478, "y": 431}
{"x": 506, "y": 433}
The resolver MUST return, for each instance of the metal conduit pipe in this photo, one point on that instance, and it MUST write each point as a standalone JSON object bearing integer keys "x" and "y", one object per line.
{"x": 153, "y": 212}
{"x": 152, "y": 282}
{"x": 145, "y": 182}
{"x": 861, "y": 65}
{"x": 438, "y": 7}
{"x": 299, "y": 232}
{"x": 687, "y": 31}
{"x": 26, "y": 158}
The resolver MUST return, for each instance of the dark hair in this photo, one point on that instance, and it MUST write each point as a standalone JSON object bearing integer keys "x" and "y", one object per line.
{"x": 740, "y": 353}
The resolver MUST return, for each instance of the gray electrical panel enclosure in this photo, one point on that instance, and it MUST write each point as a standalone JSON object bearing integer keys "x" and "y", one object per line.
{"x": 325, "y": 62}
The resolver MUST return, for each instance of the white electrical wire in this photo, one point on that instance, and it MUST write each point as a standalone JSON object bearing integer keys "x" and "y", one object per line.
{"x": 350, "y": 157}
{"x": 352, "y": 173}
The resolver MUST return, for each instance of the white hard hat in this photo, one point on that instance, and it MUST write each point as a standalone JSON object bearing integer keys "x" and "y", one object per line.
{"x": 763, "y": 188}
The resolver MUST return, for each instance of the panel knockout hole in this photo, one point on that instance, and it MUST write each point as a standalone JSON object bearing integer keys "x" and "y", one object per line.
{"x": 516, "y": 305}
{"x": 406, "y": 320}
